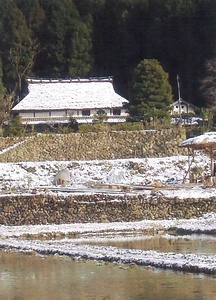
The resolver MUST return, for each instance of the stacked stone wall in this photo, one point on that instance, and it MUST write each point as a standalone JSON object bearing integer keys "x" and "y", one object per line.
{"x": 54, "y": 209}
{"x": 95, "y": 145}
{"x": 9, "y": 141}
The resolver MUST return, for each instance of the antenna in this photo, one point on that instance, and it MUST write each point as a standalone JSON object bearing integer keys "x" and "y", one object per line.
{"x": 179, "y": 98}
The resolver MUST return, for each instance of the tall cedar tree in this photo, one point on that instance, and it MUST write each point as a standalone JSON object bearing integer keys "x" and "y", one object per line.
{"x": 18, "y": 48}
{"x": 68, "y": 52}
{"x": 152, "y": 93}
{"x": 208, "y": 87}
{"x": 180, "y": 33}
{"x": 80, "y": 60}
{"x": 36, "y": 18}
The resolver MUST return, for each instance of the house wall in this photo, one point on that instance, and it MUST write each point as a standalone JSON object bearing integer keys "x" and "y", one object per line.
{"x": 190, "y": 110}
{"x": 93, "y": 112}
{"x": 42, "y": 114}
{"x": 72, "y": 113}
{"x": 69, "y": 113}
{"x": 184, "y": 109}
{"x": 26, "y": 115}
{"x": 58, "y": 113}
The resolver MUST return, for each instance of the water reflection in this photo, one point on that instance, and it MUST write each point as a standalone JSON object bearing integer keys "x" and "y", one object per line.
{"x": 198, "y": 244}
{"x": 29, "y": 276}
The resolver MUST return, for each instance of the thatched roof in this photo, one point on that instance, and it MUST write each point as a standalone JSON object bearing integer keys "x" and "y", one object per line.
{"x": 70, "y": 94}
{"x": 206, "y": 140}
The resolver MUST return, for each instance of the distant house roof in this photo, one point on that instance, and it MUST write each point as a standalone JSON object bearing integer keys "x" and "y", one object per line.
{"x": 70, "y": 94}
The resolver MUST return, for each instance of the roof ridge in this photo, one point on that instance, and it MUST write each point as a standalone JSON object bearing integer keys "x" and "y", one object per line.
{"x": 65, "y": 80}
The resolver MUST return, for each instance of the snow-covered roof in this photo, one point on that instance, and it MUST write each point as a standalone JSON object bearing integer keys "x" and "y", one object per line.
{"x": 70, "y": 94}
{"x": 201, "y": 141}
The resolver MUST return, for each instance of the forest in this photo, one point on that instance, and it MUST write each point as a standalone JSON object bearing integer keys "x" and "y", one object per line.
{"x": 74, "y": 38}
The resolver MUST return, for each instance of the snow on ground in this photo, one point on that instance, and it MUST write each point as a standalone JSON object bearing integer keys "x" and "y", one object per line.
{"x": 27, "y": 176}
{"x": 205, "y": 224}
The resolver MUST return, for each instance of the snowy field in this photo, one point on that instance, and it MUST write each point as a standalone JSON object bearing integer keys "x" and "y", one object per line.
{"x": 87, "y": 176}
{"x": 26, "y": 177}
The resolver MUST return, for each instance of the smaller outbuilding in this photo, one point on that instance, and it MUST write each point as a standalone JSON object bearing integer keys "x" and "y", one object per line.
{"x": 205, "y": 142}
{"x": 183, "y": 107}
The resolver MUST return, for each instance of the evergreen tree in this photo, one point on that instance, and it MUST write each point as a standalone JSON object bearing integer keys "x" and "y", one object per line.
{"x": 208, "y": 87}
{"x": 188, "y": 32}
{"x": 108, "y": 37}
{"x": 68, "y": 51}
{"x": 18, "y": 49}
{"x": 114, "y": 46}
{"x": 25, "y": 6}
{"x": 80, "y": 59}
{"x": 15, "y": 127}
{"x": 152, "y": 93}
{"x": 36, "y": 18}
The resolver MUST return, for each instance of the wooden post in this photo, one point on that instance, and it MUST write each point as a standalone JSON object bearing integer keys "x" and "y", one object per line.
{"x": 211, "y": 156}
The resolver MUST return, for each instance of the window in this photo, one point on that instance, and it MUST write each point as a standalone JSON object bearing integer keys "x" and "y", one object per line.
{"x": 116, "y": 111}
{"x": 101, "y": 112}
{"x": 86, "y": 112}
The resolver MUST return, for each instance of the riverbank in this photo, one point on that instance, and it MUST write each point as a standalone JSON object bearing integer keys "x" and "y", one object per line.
{"x": 29, "y": 238}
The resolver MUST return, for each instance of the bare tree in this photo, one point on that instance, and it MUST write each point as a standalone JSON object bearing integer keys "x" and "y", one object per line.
{"x": 22, "y": 59}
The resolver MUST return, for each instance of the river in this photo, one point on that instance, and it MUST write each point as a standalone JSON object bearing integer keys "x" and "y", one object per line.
{"x": 29, "y": 276}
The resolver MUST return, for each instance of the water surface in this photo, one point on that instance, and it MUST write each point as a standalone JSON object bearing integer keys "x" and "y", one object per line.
{"x": 197, "y": 244}
{"x": 32, "y": 277}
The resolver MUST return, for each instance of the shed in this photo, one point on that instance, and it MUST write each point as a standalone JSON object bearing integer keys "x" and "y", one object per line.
{"x": 206, "y": 142}
{"x": 185, "y": 107}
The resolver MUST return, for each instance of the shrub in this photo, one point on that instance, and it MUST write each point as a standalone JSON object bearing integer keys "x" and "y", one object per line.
{"x": 97, "y": 127}
{"x": 127, "y": 126}
{"x": 15, "y": 127}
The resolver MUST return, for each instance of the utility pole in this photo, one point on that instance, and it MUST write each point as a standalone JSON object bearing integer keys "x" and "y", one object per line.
{"x": 179, "y": 98}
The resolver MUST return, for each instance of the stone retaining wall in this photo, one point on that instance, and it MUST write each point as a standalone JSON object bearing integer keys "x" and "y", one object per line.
{"x": 95, "y": 145}
{"x": 55, "y": 209}
{"x": 50, "y": 209}
{"x": 9, "y": 141}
